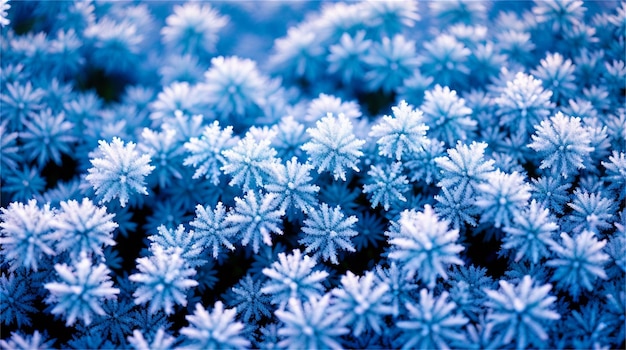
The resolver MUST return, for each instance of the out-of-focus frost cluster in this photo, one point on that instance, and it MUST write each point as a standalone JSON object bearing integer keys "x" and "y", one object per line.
{"x": 313, "y": 174}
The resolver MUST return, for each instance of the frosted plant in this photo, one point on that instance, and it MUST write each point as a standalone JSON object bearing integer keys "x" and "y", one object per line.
{"x": 188, "y": 244}
{"x": 147, "y": 322}
{"x": 559, "y": 16}
{"x": 30, "y": 49}
{"x": 424, "y": 245}
{"x": 600, "y": 142}
{"x": 250, "y": 302}
{"x": 207, "y": 277}
{"x": 300, "y": 54}
{"x": 184, "y": 68}
{"x": 193, "y": 29}
{"x": 203, "y": 111}
{"x": 57, "y": 94}
{"x": 150, "y": 323}
{"x": 346, "y": 57}
{"x": 591, "y": 212}
{"x": 587, "y": 327}
{"x": 578, "y": 263}
{"x": 401, "y": 289}
{"x": 213, "y": 330}
{"x": 582, "y": 106}
{"x": 16, "y": 299}
{"x": 36, "y": 341}
{"x": 386, "y": 185}
{"x": 117, "y": 45}
{"x": 341, "y": 194}
{"x": 177, "y": 100}
{"x": 557, "y": 74}
{"x": 457, "y": 206}
{"x": 270, "y": 338}
{"x": 614, "y": 74}
{"x": 480, "y": 336}
{"x": 562, "y": 143}
{"x": 292, "y": 276}
{"x": 90, "y": 341}
{"x": 616, "y": 173}
{"x": 185, "y": 193}
{"x": 338, "y": 18}
{"x": 76, "y": 16}
{"x": 250, "y": 163}
{"x": 464, "y": 166}
{"x": 389, "y": 63}
{"x": 234, "y": 89}
{"x": 4, "y": 8}
{"x": 10, "y": 154}
{"x": 260, "y": 133}
{"x": 326, "y": 231}
{"x": 445, "y": 58}
{"x": 18, "y": 101}
{"x": 167, "y": 212}
{"x": 458, "y": 11}
{"x": 160, "y": 341}
{"x": 523, "y": 103}
{"x": 447, "y": 116}
{"x": 370, "y": 227}
{"x": 530, "y": 234}
{"x": 323, "y": 104}
{"x": 432, "y": 323}
{"x": 47, "y": 136}
{"x": 82, "y": 109}
{"x": 166, "y": 152}
{"x": 205, "y": 152}
{"x": 511, "y": 151}
{"x": 615, "y": 302}
{"x": 311, "y": 324}
{"x": 616, "y": 125}
{"x": 68, "y": 190}
{"x": 26, "y": 234}
{"x": 596, "y": 95}
{"x": 471, "y": 35}
{"x": 413, "y": 88}
{"x": 422, "y": 165}
{"x": 24, "y": 183}
{"x": 266, "y": 257}
{"x": 80, "y": 291}
{"x": 333, "y": 146}
{"x": 389, "y": 17}
{"x": 163, "y": 280}
{"x": 616, "y": 249}
{"x": 293, "y": 186}
{"x": 362, "y": 301}
{"x": 66, "y": 54}
{"x": 515, "y": 42}
{"x": 501, "y": 197}
{"x": 290, "y": 134}
{"x": 550, "y": 192}
{"x": 521, "y": 313}
{"x": 82, "y": 227}
{"x": 117, "y": 322}
{"x": 255, "y": 217}
{"x": 402, "y": 134}
{"x": 467, "y": 284}
{"x": 212, "y": 229}
{"x": 486, "y": 60}
{"x": 118, "y": 171}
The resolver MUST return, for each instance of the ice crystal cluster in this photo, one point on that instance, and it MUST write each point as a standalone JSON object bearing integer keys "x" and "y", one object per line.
{"x": 313, "y": 174}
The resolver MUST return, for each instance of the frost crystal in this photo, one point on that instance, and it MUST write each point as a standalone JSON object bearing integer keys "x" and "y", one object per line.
{"x": 333, "y": 146}
{"x": 118, "y": 171}
{"x": 424, "y": 245}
